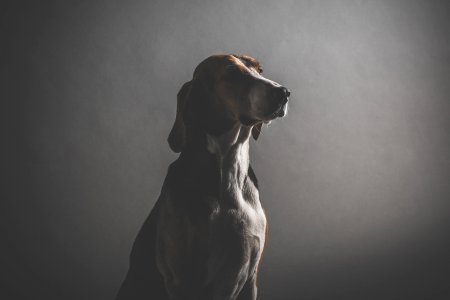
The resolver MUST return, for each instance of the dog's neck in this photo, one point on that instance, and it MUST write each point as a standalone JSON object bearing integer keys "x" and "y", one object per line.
{"x": 232, "y": 152}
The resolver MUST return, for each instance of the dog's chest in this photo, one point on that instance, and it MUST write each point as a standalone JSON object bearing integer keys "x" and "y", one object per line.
{"x": 237, "y": 234}
{"x": 240, "y": 211}
{"x": 237, "y": 224}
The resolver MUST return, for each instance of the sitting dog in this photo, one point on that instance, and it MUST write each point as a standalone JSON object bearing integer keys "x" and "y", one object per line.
{"x": 205, "y": 235}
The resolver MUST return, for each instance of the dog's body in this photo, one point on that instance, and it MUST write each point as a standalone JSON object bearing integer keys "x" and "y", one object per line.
{"x": 205, "y": 236}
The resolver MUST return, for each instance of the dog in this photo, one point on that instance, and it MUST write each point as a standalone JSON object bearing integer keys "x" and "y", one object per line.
{"x": 206, "y": 233}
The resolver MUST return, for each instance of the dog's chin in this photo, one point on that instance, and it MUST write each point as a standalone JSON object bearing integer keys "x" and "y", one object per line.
{"x": 267, "y": 119}
{"x": 278, "y": 113}
{"x": 282, "y": 111}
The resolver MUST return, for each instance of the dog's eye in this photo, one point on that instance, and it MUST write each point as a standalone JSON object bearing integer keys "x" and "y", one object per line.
{"x": 234, "y": 74}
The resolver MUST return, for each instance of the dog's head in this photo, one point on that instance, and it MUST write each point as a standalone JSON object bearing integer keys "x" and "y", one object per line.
{"x": 226, "y": 89}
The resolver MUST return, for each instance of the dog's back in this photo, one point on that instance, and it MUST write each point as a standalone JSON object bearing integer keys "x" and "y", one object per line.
{"x": 143, "y": 281}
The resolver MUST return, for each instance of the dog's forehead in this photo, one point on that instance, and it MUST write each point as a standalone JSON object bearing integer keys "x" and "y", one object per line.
{"x": 219, "y": 63}
{"x": 249, "y": 62}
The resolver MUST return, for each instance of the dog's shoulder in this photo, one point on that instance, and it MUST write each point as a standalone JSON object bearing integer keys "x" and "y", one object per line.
{"x": 192, "y": 188}
{"x": 194, "y": 176}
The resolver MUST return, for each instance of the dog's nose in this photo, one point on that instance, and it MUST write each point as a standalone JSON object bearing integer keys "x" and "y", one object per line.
{"x": 281, "y": 94}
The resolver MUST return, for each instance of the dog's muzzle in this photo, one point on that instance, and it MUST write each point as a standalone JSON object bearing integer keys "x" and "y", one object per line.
{"x": 280, "y": 97}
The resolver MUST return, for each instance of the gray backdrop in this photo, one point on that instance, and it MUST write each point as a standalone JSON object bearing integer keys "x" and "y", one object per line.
{"x": 355, "y": 180}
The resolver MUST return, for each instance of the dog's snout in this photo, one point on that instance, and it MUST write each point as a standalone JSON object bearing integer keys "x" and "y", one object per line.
{"x": 281, "y": 94}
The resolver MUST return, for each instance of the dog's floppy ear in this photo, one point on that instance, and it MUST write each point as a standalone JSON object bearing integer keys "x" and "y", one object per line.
{"x": 177, "y": 136}
{"x": 256, "y": 130}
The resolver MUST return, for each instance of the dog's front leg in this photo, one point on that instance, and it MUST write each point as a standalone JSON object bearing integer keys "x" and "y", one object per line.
{"x": 249, "y": 291}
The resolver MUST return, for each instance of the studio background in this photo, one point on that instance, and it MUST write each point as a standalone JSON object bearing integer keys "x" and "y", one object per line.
{"x": 355, "y": 180}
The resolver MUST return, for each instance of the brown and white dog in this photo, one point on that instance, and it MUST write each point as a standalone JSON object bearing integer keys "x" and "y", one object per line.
{"x": 206, "y": 233}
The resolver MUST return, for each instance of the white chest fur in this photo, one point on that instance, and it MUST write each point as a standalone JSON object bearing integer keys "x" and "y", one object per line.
{"x": 239, "y": 224}
{"x": 237, "y": 192}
